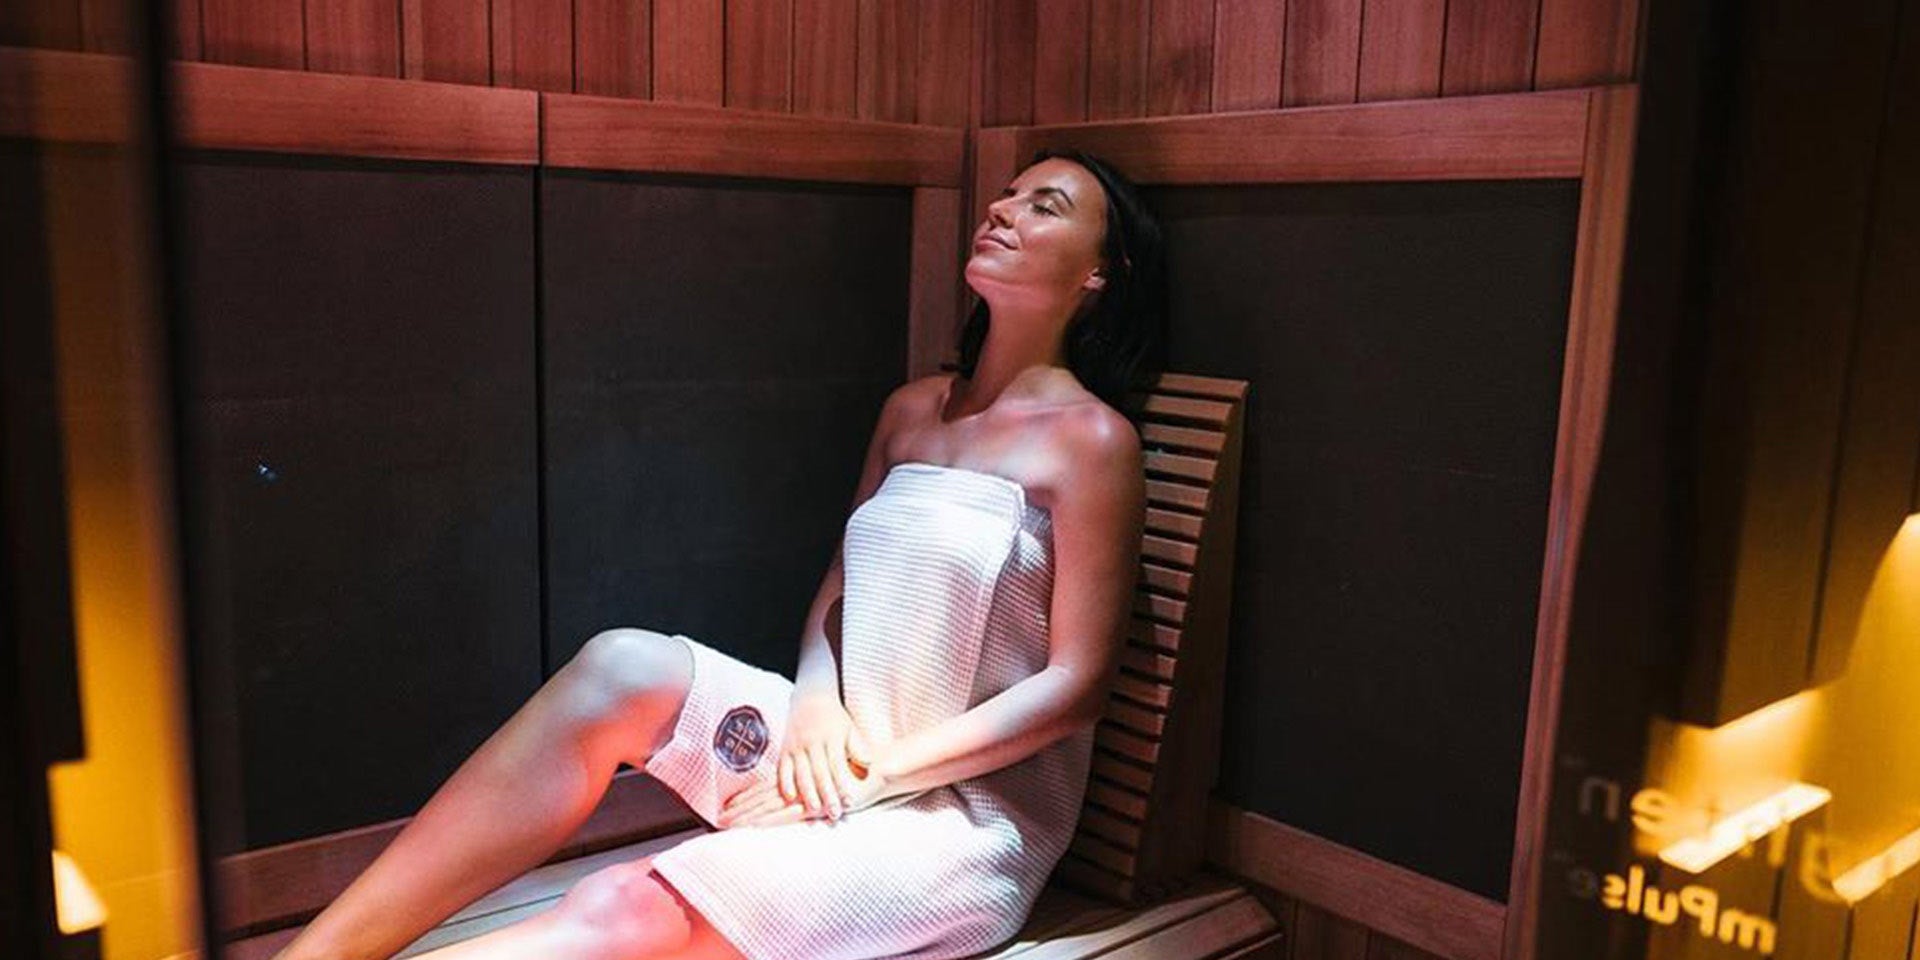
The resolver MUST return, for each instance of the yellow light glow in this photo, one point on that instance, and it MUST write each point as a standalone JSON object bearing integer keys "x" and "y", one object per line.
{"x": 1873, "y": 873}
{"x": 78, "y": 907}
{"x": 1698, "y": 853}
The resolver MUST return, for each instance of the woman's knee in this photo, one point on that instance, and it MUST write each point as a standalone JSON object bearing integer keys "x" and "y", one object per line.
{"x": 626, "y": 910}
{"x": 627, "y": 669}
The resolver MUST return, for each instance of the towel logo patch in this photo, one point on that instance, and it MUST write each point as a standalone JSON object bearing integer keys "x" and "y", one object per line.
{"x": 740, "y": 739}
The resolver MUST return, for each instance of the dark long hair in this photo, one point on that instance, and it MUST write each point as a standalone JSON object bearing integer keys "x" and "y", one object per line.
{"x": 1118, "y": 345}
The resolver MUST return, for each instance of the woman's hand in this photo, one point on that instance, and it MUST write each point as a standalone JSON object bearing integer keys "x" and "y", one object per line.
{"x": 821, "y": 751}
{"x": 762, "y": 805}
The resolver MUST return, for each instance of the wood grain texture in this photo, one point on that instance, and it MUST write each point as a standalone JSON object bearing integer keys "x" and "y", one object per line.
{"x": 1592, "y": 314}
{"x": 1320, "y": 935}
{"x": 1249, "y": 40}
{"x": 887, "y": 61}
{"x": 1322, "y": 53}
{"x": 946, "y": 75}
{"x": 689, "y": 52}
{"x": 759, "y": 38}
{"x": 1489, "y": 46}
{"x": 354, "y": 36}
{"x": 1391, "y": 899}
{"x": 46, "y": 24}
{"x": 1400, "y": 45}
{"x": 932, "y": 314}
{"x": 63, "y": 96}
{"x": 606, "y": 133}
{"x": 824, "y": 43}
{"x": 1179, "y": 56}
{"x": 613, "y": 47}
{"x": 246, "y": 108}
{"x": 533, "y": 44}
{"x": 446, "y": 40}
{"x": 1117, "y": 60}
{"x": 184, "y": 39}
{"x": 1586, "y": 43}
{"x": 1060, "y": 60}
{"x": 1513, "y": 136}
{"x": 257, "y": 33}
{"x": 286, "y": 884}
{"x": 104, "y": 27}
{"x": 1007, "y": 71}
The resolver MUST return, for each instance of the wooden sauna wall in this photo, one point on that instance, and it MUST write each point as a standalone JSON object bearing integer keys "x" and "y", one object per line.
{"x": 892, "y": 60}
{"x": 1061, "y": 61}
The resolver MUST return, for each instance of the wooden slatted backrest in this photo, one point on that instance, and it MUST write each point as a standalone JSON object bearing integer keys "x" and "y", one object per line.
{"x": 1156, "y": 753}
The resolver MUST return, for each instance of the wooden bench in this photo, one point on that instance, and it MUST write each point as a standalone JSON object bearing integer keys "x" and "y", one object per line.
{"x": 1132, "y": 883}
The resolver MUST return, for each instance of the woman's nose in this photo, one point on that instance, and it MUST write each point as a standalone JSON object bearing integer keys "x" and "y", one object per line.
{"x": 1001, "y": 211}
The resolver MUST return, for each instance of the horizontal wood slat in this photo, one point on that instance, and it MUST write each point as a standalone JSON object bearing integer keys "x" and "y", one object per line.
{"x": 1095, "y": 850}
{"x": 1147, "y": 661}
{"x": 1185, "y": 410}
{"x": 1143, "y": 691}
{"x": 1217, "y": 388}
{"x": 1166, "y": 579}
{"x": 1087, "y": 876}
{"x": 1119, "y": 831}
{"x": 1204, "y": 935}
{"x": 1169, "y": 609}
{"x": 1155, "y": 635}
{"x": 609, "y": 133}
{"x": 1117, "y": 799}
{"x": 1130, "y": 745}
{"x": 1182, "y": 438}
{"x": 1130, "y": 775}
{"x": 1497, "y": 137}
{"x": 1173, "y": 523}
{"x": 1168, "y": 493}
{"x": 1199, "y": 469}
{"x": 66, "y": 97}
{"x": 1137, "y": 718}
{"x": 1168, "y": 551}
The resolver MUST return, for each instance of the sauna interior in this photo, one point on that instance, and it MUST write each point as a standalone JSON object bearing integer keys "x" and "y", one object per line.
{"x": 1531, "y": 554}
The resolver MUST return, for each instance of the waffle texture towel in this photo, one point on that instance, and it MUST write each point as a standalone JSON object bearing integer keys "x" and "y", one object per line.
{"x": 949, "y": 573}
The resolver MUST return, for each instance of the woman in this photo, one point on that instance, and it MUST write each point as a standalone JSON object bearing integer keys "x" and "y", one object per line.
{"x": 907, "y": 793}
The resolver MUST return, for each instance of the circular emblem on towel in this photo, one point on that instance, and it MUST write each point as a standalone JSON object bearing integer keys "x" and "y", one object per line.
{"x": 740, "y": 739}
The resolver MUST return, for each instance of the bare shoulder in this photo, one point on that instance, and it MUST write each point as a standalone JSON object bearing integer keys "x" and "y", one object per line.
{"x": 1097, "y": 449}
{"x": 913, "y": 400}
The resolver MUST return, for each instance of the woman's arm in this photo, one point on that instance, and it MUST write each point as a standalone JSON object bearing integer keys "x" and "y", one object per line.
{"x": 1097, "y": 519}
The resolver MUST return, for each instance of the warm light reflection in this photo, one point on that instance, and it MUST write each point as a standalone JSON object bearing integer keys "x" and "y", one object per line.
{"x": 1860, "y": 882}
{"x": 78, "y": 907}
{"x": 1698, "y": 853}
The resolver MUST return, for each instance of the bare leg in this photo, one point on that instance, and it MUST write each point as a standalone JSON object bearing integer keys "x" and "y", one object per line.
{"x": 623, "y": 912}
{"x": 515, "y": 800}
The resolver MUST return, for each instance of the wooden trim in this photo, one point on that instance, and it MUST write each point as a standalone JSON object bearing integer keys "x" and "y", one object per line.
{"x": 1598, "y": 254}
{"x": 281, "y": 886}
{"x": 67, "y": 97}
{"x": 611, "y": 133}
{"x": 1434, "y": 916}
{"x": 87, "y": 98}
{"x": 290, "y": 111}
{"x": 1501, "y": 137}
{"x": 932, "y": 310}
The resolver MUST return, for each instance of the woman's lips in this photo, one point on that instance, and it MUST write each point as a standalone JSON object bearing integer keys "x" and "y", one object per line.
{"x": 990, "y": 240}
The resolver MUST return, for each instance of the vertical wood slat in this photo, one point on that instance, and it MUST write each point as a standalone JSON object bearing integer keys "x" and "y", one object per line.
{"x": 1319, "y": 935}
{"x": 253, "y": 33}
{"x": 104, "y": 27}
{"x": 759, "y": 54}
{"x": 1007, "y": 72}
{"x": 185, "y": 43}
{"x": 824, "y": 33}
{"x": 1400, "y": 47}
{"x": 446, "y": 40}
{"x": 1585, "y": 43}
{"x": 888, "y": 48}
{"x": 1117, "y": 60}
{"x": 1249, "y": 37}
{"x": 354, "y": 36}
{"x": 1060, "y": 60}
{"x": 1322, "y": 63}
{"x": 945, "y": 79}
{"x": 1489, "y": 48}
{"x": 533, "y": 44}
{"x": 932, "y": 312}
{"x": 689, "y": 51}
{"x": 48, "y": 24}
{"x": 613, "y": 47}
{"x": 1179, "y": 56}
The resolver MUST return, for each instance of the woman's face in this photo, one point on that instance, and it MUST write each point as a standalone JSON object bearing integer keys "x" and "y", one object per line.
{"x": 1040, "y": 243}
